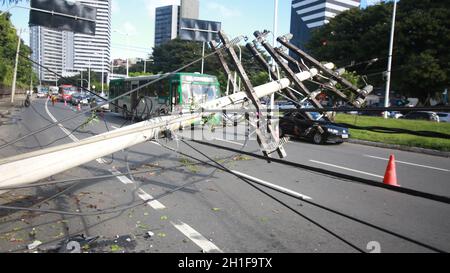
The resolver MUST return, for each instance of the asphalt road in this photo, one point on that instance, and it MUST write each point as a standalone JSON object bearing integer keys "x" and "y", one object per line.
{"x": 206, "y": 209}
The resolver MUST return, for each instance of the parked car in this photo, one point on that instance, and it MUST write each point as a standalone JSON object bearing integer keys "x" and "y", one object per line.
{"x": 41, "y": 95}
{"x": 444, "y": 117}
{"x": 298, "y": 125}
{"x": 395, "y": 114}
{"x": 79, "y": 99}
{"x": 286, "y": 105}
{"x": 429, "y": 116}
{"x": 95, "y": 101}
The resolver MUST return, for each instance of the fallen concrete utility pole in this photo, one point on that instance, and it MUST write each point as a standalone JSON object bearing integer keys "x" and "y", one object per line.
{"x": 32, "y": 167}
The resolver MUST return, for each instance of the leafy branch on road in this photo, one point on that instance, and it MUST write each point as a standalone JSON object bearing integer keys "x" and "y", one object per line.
{"x": 90, "y": 120}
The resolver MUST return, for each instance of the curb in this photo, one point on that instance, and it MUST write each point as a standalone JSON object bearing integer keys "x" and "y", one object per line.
{"x": 400, "y": 147}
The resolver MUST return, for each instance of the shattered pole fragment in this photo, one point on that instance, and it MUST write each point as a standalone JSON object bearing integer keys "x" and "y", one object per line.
{"x": 34, "y": 245}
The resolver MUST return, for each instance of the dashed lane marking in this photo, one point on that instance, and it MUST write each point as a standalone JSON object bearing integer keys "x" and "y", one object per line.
{"x": 347, "y": 169}
{"x": 198, "y": 239}
{"x": 408, "y": 163}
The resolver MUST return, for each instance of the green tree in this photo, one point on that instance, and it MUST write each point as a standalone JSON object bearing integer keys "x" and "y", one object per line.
{"x": 177, "y": 53}
{"x": 8, "y": 46}
{"x": 421, "y": 54}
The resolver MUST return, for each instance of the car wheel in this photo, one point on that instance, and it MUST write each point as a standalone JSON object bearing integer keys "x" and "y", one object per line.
{"x": 318, "y": 138}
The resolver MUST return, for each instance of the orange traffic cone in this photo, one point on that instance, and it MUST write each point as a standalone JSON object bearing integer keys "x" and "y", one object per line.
{"x": 391, "y": 173}
{"x": 79, "y": 107}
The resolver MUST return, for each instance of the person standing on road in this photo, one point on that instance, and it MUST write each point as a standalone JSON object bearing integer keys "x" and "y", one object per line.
{"x": 53, "y": 100}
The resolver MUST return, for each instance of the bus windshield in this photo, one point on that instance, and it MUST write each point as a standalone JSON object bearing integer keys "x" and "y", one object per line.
{"x": 199, "y": 93}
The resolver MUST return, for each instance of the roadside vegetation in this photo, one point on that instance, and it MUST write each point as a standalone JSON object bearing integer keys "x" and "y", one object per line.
{"x": 8, "y": 47}
{"x": 440, "y": 144}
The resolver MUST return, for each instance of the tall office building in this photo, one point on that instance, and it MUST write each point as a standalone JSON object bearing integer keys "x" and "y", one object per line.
{"x": 53, "y": 50}
{"x": 190, "y": 9}
{"x": 68, "y": 53}
{"x": 94, "y": 52}
{"x": 167, "y": 19}
{"x": 310, "y": 14}
{"x": 166, "y": 24}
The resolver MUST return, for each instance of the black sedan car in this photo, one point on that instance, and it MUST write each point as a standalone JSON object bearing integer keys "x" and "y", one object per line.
{"x": 319, "y": 132}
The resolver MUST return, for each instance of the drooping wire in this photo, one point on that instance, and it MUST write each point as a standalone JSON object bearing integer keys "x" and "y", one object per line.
{"x": 320, "y": 206}
{"x": 119, "y": 97}
{"x": 336, "y": 175}
{"x": 223, "y": 168}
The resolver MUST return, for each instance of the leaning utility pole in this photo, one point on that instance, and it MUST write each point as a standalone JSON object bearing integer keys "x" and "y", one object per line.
{"x": 31, "y": 167}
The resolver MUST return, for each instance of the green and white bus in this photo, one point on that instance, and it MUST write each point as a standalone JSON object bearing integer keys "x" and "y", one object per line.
{"x": 178, "y": 93}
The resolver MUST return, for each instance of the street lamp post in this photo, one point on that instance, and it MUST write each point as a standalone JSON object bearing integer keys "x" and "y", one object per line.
{"x": 128, "y": 46}
{"x": 8, "y": 9}
{"x": 275, "y": 23}
{"x": 103, "y": 70}
{"x": 203, "y": 58}
{"x": 389, "y": 70}
{"x": 89, "y": 75}
{"x": 82, "y": 81}
{"x": 275, "y": 33}
{"x": 13, "y": 89}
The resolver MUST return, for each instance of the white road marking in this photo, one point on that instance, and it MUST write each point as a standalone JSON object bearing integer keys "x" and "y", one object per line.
{"x": 121, "y": 177}
{"x": 114, "y": 127}
{"x": 265, "y": 183}
{"x": 230, "y": 142}
{"x": 155, "y": 204}
{"x": 408, "y": 163}
{"x": 347, "y": 169}
{"x": 69, "y": 134}
{"x": 197, "y": 238}
{"x": 188, "y": 231}
{"x": 141, "y": 193}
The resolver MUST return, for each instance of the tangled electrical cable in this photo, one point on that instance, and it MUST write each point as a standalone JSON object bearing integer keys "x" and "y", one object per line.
{"x": 225, "y": 169}
{"x": 234, "y": 41}
{"x": 341, "y": 176}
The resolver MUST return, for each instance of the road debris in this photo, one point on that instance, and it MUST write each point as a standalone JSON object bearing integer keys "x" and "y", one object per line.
{"x": 149, "y": 235}
{"x": 75, "y": 244}
{"x": 34, "y": 245}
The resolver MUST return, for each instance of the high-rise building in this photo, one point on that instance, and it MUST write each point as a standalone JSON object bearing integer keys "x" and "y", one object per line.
{"x": 167, "y": 19}
{"x": 166, "y": 24}
{"x": 310, "y": 14}
{"x": 190, "y": 9}
{"x": 94, "y": 52}
{"x": 67, "y": 53}
{"x": 53, "y": 50}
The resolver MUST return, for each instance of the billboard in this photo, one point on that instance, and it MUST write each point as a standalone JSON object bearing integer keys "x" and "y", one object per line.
{"x": 63, "y": 15}
{"x": 199, "y": 30}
